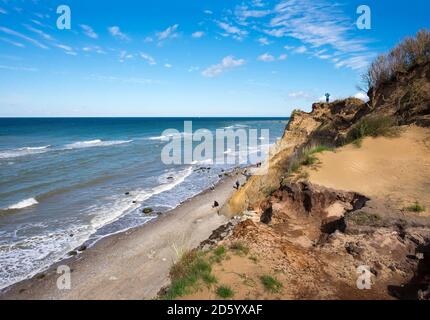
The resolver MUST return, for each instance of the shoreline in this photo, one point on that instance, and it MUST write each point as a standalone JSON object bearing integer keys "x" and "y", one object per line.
{"x": 101, "y": 271}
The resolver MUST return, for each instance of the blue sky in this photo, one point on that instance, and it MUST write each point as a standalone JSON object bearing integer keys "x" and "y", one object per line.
{"x": 190, "y": 57}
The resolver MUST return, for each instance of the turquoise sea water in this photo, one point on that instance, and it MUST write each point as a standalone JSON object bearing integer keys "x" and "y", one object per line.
{"x": 63, "y": 181}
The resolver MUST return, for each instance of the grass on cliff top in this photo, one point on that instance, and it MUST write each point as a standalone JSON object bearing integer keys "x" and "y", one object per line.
{"x": 372, "y": 126}
{"x": 416, "y": 207}
{"x": 307, "y": 157}
{"x": 224, "y": 292}
{"x": 271, "y": 284}
{"x": 239, "y": 248}
{"x": 191, "y": 269}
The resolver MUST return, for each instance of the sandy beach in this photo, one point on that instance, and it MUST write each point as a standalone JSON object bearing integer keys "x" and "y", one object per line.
{"x": 134, "y": 264}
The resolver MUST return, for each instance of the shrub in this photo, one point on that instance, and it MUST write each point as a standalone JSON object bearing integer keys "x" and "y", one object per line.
{"x": 224, "y": 292}
{"x": 405, "y": 55}
{"x": 271, "y": 284}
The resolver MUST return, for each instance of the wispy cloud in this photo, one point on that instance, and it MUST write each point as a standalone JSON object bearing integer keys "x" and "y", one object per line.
{"x": 14, "y": 43}
{"x": 88, "y": 31}
{"x": 228, "y": 62}
{"x": 208, "y": 12}
{"x": 39, "y": 32}
{"x": 124, "y": 55}
{"x": 263, "y": 41}
{"x": 96, "y": 49}
{"x": 198, "y": 34}
{"x": 151, "y": 61}
{"x": 300, "y": 95}
{"x": 24, "y": 37}
{"x": 170, "y": 32}
{"x": 3, "y": 11}
{"x": 116, "y": 32}
{"x": 67, "y": 49}
{"x": 265, "y": 57}
{"x": 19, "y": 68}
{"x": 231, "y": 30}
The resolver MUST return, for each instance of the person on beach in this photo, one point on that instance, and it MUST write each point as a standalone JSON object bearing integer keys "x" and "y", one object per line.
{"x": 237, "y": 185}
{"x": 327, "y": 97}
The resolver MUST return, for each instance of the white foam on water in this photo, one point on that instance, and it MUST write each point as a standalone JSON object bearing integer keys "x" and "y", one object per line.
{"x": 95, "y": 143}
{"x": 20, "y": 152}
{"x": 110, "y": 213}
{"x": 23, "y": 204}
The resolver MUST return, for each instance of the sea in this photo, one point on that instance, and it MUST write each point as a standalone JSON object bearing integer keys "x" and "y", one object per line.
{"x": 69, "y": 181}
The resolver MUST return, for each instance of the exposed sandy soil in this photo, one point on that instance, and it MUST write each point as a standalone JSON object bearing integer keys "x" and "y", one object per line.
{"x": 396, "y": 170}
{"x": 134, "y": 264}
{"x": 393, "y": 173}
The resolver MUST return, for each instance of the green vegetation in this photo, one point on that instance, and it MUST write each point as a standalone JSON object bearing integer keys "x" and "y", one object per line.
{"x": 295, "y": 111}
{"x": 253, "y": 259}
{"x": 407, "y": 54}
{"x": 363, "y": 218}
{"x": 417, "y": 207}
{"x": 271, "y": 284}
{"x": 220, "y": 251}
{"x": 307, "y": 158}
{"x": 224, "y": 292}
{"x": 372, "y": 126}
{"x": 239, "y": 248}
{"x": 187, "y": 273}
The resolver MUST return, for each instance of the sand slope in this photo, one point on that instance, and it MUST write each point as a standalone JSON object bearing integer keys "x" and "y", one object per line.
{"x": 391, "y": 169}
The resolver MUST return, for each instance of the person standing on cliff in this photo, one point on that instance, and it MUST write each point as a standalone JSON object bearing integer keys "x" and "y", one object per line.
{"x": 327, "y": 97}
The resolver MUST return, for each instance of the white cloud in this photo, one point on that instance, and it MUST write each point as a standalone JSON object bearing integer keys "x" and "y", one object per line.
{"x": 361, "y": 96}
{"x": 24, "y": 37}
{"x": 282, "y": 57}
{"x": 67, "y": 50}
{"x": 237, "y": 33}
{"x": 228, "y": 62}
{"x": 124, "y": 55}
{"x": 243, "y": 13}
{"x": 167, "y": 65}
{"x": 88, "y": 31}
{"x": 170, "y": 32}
{"x": 300, "y": 95}
{"x": 115, "y": 31}
{"x": 40, "y": 33}
{"x": 301, "y": 49}
{"x": 208, "y": 12}
{"x": 263, "y": 41}
{"x": 14, "y": 43}
{"x": 151, "y": 61}
{"x": 265, "y": 57}
{"x": 148, "y": 40}
{"x": 355, "y": 62}
{"x": 198, "y": 34}
{"x": 96, "y": 49}
{"x": 316, "y": 24}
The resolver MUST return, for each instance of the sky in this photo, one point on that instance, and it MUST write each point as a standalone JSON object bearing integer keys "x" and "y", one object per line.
{"x": 191, "y": 57}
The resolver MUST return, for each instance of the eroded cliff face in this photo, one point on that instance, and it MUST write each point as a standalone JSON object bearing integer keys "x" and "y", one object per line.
{"x": 406, "y": 99}
{"x": 321, "y": 235}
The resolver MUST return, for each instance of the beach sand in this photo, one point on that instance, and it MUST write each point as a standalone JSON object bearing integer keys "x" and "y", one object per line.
{"x": 134, "y": 264}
